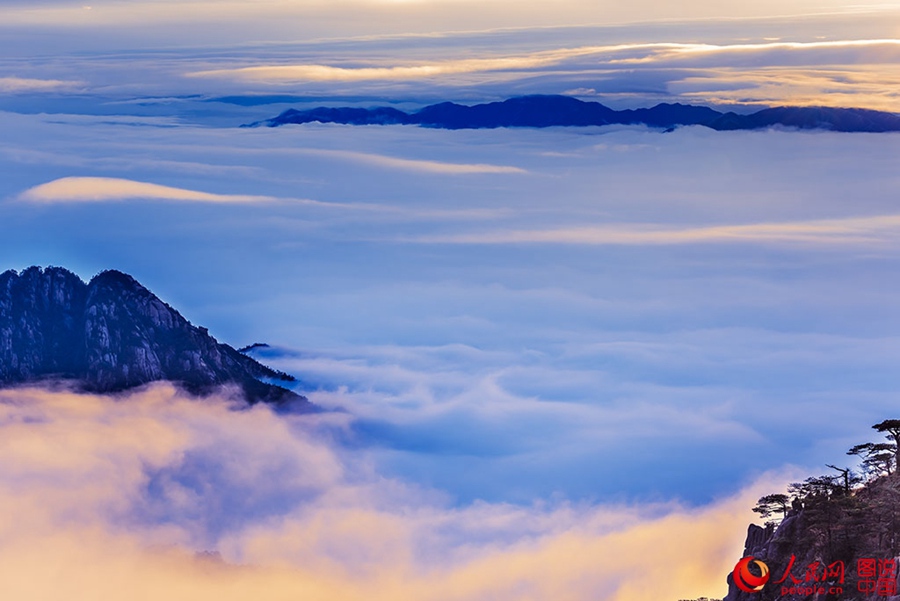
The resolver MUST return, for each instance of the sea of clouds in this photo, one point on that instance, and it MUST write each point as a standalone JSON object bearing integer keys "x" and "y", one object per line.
{"x": 555, "y": 363}
{"x": 603, "y": 314}
{"x": 156, "y": 495}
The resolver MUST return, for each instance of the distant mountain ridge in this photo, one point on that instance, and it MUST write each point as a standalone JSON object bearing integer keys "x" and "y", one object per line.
{"x": 550, "y": 111}
{"x": 112, "y": 334}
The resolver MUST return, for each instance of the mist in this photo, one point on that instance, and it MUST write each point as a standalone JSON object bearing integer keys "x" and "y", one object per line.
{"x": 154, "y": 494}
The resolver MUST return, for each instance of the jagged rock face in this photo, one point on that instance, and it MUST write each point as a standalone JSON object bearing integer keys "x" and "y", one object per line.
{"x": 827, "y": 533}
{"x": 113, "y": 334}
{"x": 801, "y": 538}
{"x": 762, "y": 544}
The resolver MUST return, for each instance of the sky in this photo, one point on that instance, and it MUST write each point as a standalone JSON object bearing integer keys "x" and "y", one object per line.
{"x": 547, "y": 357}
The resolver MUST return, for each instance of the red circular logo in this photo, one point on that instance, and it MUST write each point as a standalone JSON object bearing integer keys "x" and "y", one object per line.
{"x": 746, "y": 581}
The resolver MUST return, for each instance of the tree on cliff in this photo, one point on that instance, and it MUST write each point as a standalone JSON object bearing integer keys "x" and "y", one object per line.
{"x": 892, "y": 427}
{"x": 774, "y": 503}
{"x": 815, "y": 487}
{"x": 876, "y": 458}
{"x": 832, "y": 520}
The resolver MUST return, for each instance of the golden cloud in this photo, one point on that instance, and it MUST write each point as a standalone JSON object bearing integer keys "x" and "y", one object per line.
{"x": 857, "y": 230}
{"x": 858, "y": 73}
{"x": 103, "y": 189}
{"x": 422, "y": 165}
{"x": 315, "y": 72}
{"x": 16, "y": 85}
{"x": 112, "y": 498}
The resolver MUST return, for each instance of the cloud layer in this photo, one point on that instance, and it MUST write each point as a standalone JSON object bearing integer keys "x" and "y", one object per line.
{"x": 116, "y": 494}
{"x": 349, "y": 17}
{"x": 570, "y": 294}
{"x": 834, "y": 72}
{"x": 596, "y": 338}
{"x": 841, "y": 55}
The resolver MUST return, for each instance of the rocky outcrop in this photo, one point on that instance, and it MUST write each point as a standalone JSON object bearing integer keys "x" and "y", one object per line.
{"x": 113, "y": 334}
{"x": 837, "y": 544}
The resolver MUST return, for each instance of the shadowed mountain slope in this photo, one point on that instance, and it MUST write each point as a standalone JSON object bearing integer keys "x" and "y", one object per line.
{"x": 113, "y": 334}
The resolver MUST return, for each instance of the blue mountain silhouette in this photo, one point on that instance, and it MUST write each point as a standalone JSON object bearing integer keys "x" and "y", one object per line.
{"x": 549, "y": 111}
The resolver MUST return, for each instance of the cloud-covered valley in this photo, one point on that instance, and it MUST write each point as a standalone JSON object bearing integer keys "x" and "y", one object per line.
{"x": 157, "y": 495}
{"x": 553, "y": 364}
{"x": 509, "y": 314}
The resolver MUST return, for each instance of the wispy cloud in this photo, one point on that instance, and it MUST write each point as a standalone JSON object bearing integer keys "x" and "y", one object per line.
{"x": 289, "y": 73}
{"x": 879, "y": 50}
{"x": 862, "y": 230}
{"x": 105, "y": 189}
{"x": 841, "y": 72}
{"x": 16, "y": 85}
{"x": 427, "y": 166}
{"x": 838, "y": 86}
{"x": 823, "y": 73}
{"x": 317, "y": 72}
{"x": 609, "y": 56}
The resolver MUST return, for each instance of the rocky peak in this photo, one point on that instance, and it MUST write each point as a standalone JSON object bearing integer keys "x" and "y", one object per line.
{"x": 112, "y": 334}
{"x": 832, "y": 544}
